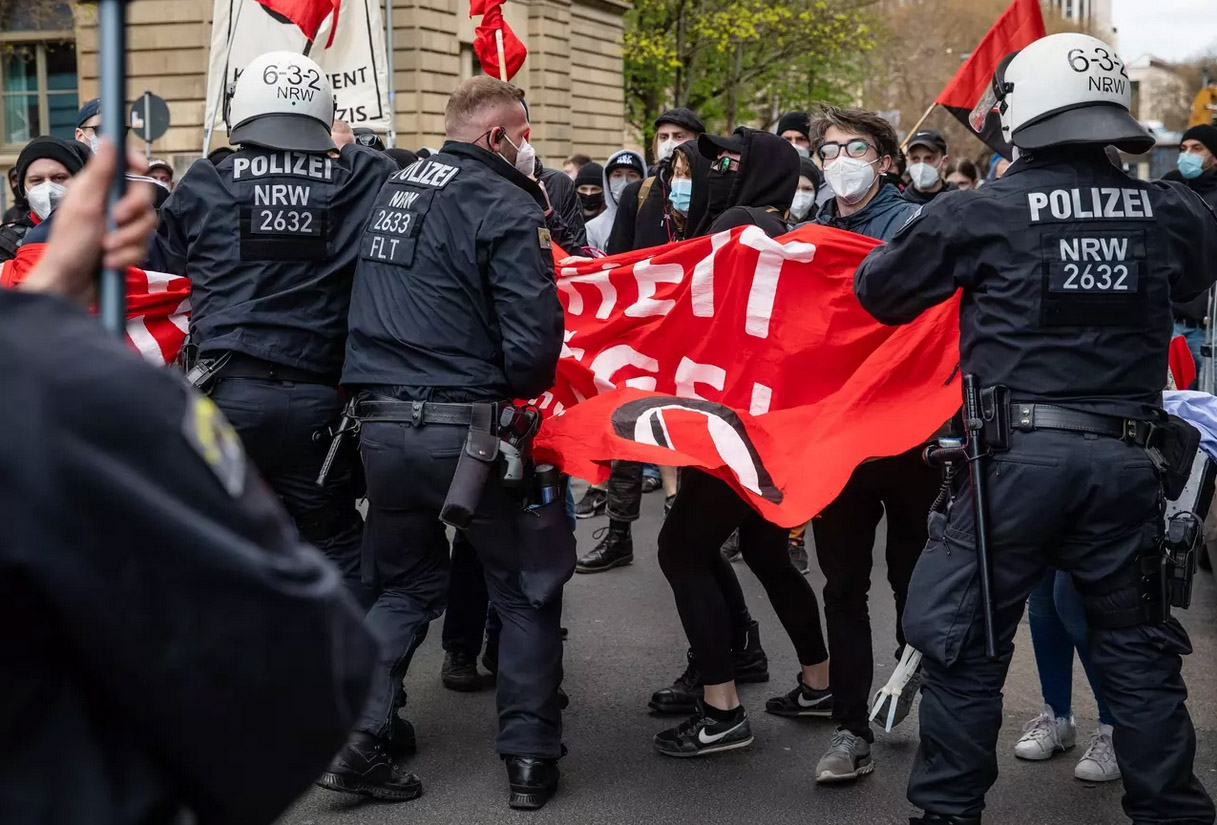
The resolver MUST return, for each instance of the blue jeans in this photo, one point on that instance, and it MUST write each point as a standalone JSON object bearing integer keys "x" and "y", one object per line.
{"x": 1058, "y": 627}
{"x": 1195, "y": 339}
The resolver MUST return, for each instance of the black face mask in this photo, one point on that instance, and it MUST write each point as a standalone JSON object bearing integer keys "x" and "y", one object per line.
{"x": 592, "y": 203}
{"x": 719, "y": 190}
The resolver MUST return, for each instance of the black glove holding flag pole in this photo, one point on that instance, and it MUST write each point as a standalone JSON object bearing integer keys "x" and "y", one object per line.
{"x": 112, "y": 35}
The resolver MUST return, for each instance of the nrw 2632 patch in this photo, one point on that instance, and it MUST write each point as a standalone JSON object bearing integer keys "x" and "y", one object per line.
{"x": 216, "y": 442}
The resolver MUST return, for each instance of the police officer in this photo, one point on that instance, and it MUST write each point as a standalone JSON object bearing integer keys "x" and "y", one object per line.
{"x": 454, "y": 310}
{"x": 269, "y": 237}
{"x": 1068, "y": 268}
{"x": 174, "y": 646}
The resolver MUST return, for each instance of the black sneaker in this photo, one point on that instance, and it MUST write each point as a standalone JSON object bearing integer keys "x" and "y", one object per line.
{"x": 730, "y": 548}
{"x": 615, "y": 549}
{"x": 460, "y": 672}
{"x": 532, "y": 781}
{"x": 748, "y": 657}
{"x": 798, "y": 555}
{"x": 650, "y": 484}
{"x": 594, "y": 503}
{"x": 364, "y": 766}
{"x": 802, "y": 701}
{"x": 682, "y": 697}
{"x": 699, "y": 735}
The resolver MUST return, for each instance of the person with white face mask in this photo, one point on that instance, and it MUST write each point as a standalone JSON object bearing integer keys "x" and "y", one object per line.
{"x": 88, "y": 123}
{"x": 795, "y": 128}
{"x": 927, "y": 158}
{"x": 43, "y": 169}
{"x": 621, "y": 169}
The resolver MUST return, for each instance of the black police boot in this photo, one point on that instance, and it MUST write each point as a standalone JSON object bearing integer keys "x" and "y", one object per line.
{"x": 460, "y": 672}
{"x": 402, "y": 741}
{"x": 751, "y": 663}
{"x": 682, "y": 697}
{"x": 939, "y": 819}
{"x": 532, "y": 781}
{"x": 365, "y": 766}
{"x": 616, "y": 549}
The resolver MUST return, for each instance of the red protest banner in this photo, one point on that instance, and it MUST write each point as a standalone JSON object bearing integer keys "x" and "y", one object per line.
{"x": 748, "y": 357}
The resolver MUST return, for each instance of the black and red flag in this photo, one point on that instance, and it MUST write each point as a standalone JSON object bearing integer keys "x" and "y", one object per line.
{"x": 308, "y": 15}
{"x": 1019, "y": 26}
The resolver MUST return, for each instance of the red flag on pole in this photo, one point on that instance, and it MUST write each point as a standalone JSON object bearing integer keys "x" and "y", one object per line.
{"x": 497, "y": 62}
{"x": 308, "y": 15}
{"x": 1019, "y": 26}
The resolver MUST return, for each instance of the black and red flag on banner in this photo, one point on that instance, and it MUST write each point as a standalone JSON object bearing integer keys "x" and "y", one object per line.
{"x": 1019, "y": 26}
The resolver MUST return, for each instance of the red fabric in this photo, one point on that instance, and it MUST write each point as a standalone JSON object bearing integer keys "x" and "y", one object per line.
{"x": 796, "y": 386}
{"x": 158, "y": 305}
{"x": 1019, "y": 26}
{"x": 484, "y": 44}
{"x": 477, "y": 7}
{"x": 1182, "y": 364}
{"x": 308, "y": 15}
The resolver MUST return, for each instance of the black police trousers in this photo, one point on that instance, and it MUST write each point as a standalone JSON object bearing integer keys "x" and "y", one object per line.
{"x": 902, "y": 488}
{"x": 468, "y": 616}
{"x": 285, "y": 429}
{"x": 409, "y": 470}
{"x": 1087, "y": 505}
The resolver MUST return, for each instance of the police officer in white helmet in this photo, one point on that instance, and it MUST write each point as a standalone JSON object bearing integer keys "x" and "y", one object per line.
{"x": 269, "y": 237}
{"x": 1067, "y": 268}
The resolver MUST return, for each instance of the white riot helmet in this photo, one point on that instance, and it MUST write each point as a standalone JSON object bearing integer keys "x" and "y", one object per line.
{"x": 1064, "y": 89}
{"x": 282, "y": 100}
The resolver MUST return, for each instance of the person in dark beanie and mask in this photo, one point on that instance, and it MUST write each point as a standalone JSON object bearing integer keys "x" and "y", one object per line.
{"x": 1197, "y": 169}
{"x": 752, "y": 181}
{"x": 795, "y": 129}
{"x": 589, "y": 183}
{"x": 43, "y": 169}
{"x": 622, "y": 168}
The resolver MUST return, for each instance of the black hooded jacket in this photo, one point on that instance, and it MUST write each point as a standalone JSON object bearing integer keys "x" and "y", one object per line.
{"x": 1195, "y": 310}
{"x": 763, "y": 188}
{"x": 654, "y": 222}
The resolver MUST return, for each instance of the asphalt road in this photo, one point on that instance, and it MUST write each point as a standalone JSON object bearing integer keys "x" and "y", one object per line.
{"x": 625, "y": 641}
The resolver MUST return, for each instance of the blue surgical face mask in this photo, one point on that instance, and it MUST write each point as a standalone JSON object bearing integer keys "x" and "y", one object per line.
{"x": 1190, "y": 166}
{"x": 681, "y": 194}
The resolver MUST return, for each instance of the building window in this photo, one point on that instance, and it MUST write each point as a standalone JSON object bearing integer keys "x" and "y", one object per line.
{"x": 38, "y": 94}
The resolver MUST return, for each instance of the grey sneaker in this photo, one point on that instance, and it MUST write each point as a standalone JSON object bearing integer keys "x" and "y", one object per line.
{"x": 1098, "y": 764}
{"x": 847, "y": 759}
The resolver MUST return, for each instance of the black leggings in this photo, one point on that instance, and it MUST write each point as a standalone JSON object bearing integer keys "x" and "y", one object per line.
{"x": 704, "y": 514}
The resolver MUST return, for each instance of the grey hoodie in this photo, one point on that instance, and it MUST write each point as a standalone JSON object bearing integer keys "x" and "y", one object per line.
{"x": 600, "y": 227}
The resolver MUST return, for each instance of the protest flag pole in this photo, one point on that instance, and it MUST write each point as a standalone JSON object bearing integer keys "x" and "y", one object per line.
{"x": 904, "y": 144}
{"x": 498, "y": 43}
{"x": 219, "y": 102}
{"x": 112, "y": 38}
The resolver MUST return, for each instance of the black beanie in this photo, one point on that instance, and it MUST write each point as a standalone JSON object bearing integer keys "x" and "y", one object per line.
{"x": 795, "y": 122}
{"x": 1204, "y": 133}
{"x": 590, "y": 174}
{"x": 71, "y": 153}
{"x": 682, "y": 117}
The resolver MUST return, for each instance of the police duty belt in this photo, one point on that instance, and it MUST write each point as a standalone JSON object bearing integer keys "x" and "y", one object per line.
{"x": 419, "y": 413}
{"x": 1029, "y": 417}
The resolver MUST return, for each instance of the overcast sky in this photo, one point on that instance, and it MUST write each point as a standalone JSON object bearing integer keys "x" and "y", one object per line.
{"x": 1170, "y": 29}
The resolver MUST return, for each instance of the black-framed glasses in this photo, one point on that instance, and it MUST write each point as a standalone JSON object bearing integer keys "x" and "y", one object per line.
{"x": 725, "y": 164}
{"x": 855, "y": 148}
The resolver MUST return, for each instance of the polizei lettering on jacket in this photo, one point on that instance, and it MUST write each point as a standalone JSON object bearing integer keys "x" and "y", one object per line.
{"x": 1090, "y": 204}
{"x": 428, "y": 173}
{"x": 289, "y": 164}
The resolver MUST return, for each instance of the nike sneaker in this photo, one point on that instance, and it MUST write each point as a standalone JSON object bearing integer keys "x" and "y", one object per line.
{"x": 700, "y": 735}
{"x": 802, "y": 701}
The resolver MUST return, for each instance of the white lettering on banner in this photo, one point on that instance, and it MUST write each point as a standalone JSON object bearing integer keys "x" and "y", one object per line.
{"x": 690, "y": 373}
{"x": 701, "y": 284}
{"x": 729, "y": 444}
{"x": 649, "y": 275}
{"x": 600, "y": 280}
{"x": 762, "y": 397}
{"x": 1093, "y": 203}
{"x": 545, "y": 400}
{"x": 605, "y": 365}
{"x": 765, "y": 278}
{"x": 570, "y": 352}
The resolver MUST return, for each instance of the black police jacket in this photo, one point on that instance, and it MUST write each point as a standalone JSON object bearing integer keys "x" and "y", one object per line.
{"x": 1068, "y": 268}
{"x": 455, "y": 283}
{"x": 269, "y": 241}
{"x": 168, "y": 643}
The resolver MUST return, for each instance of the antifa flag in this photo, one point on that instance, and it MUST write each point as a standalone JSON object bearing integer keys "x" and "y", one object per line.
{"x": 308, "y": 15}
{"x": 1019, "y": 26}
{"x": 747, "y": 357}
{"x": 485, "y": 44}
{"x": 158, "y": 305}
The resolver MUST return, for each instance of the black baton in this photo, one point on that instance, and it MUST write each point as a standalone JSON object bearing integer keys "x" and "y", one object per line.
{"x": 349, "y": 425}
{"x": 975, "y": 450}
{"x": 112, "y": 37}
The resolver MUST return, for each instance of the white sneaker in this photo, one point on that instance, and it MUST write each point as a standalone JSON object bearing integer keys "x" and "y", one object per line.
{"x": 1045, "y": 736}
{"x": 1098, "y": 764}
